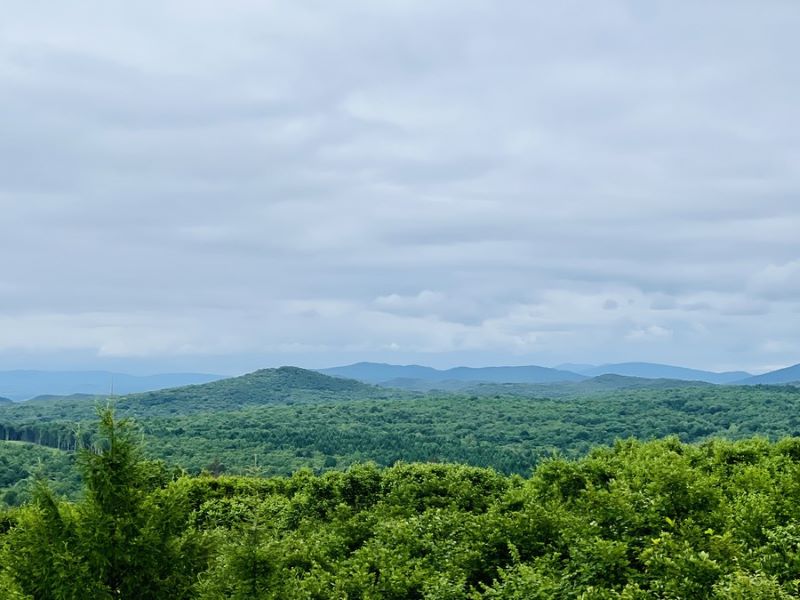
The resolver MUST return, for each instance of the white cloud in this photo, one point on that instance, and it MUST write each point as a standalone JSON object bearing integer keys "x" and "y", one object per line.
{"x": 445, "y": 181}
{"x": 651, "y": 332}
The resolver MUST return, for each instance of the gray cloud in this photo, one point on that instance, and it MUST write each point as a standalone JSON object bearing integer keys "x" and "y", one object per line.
{"x": 778, "y": 282}
{"x": 441, "y": 182}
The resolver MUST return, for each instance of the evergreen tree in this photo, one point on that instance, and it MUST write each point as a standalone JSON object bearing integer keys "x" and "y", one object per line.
{"x": 126, "y": 538}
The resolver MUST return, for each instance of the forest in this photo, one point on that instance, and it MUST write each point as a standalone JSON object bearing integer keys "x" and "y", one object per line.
{"x": 276, "y": 421}
{"x": 660, "y": 519}
{"x": 541, "y": 260}
{"x": 290, "y": 484}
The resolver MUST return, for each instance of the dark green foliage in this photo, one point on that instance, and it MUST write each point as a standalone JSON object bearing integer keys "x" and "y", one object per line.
{"x": 661, "y": 519}
{"x": 126, "y": 538}
{"x": 508, "y": 433}
{"x": 267, "y": 386}
{"x": 277, "y": 421}
{"x": 21, "y": 463}
{"x": 639, "y": 520}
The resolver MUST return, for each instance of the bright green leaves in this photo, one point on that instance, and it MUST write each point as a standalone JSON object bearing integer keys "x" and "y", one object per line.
{"x": 127, "y": 537}
{"x": 718, "y": 521}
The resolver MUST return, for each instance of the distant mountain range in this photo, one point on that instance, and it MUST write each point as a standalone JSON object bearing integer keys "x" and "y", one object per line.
{"x": 599, "y": 384}
{"x": 787, "y": 375}
{"x": 419, "y": 377}
{"x": 659, "y": 371}
{"x": 21, "y": 385}
{"x": 378, "y": 373}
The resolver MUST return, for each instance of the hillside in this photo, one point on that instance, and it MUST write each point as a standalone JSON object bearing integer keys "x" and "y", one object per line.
{"x": 610, "y": 382}
{"x": 284, "y": 385}
{"x": 781, "y": 376}
{"x": 280, "y": 420}
{"x": 510, "y": 433}
{"x": 5, "y": 400}
{"x": 21, "y": 462}
{"x": 67, "y": 398}
{"x": 381, "y": 373}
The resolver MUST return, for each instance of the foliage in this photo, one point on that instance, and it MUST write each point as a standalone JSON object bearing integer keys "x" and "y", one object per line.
{"x": 22, "y": 463}
{"x": 277, "y": 421}
{"x": 126, "y": 538}
{"x": 659, "y": 519}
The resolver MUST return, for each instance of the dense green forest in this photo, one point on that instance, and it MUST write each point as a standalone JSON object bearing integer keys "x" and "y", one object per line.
{"x": 661, "y": 519}
{"x": 21, "y": 463}
{"x": 276, "y": 421}
{"x": 290, "y": 484}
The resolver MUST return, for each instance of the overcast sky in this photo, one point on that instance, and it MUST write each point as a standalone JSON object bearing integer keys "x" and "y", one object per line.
{"x": 221, "y": 186}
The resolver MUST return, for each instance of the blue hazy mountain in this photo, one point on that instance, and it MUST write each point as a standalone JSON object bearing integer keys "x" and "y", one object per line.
{"x": 526, "y": 374}
{"x": 575, "y": 367}
{"x": 380, "y": 372}
{"x": 596, "y": 385}
{"x": 787, "y": 375}
{"x": 659, "y": 371}
{"x": 21, "y": 385}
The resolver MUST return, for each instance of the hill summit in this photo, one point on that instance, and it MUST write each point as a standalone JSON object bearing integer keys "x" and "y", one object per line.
{"x": 265, "y": 386}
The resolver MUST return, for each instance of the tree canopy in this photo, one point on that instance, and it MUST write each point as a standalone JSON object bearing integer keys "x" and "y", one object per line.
{"x": 659, "y": 519}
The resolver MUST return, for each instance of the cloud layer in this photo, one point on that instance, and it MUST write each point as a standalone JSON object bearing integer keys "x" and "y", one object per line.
{"x": 186, "y": 184}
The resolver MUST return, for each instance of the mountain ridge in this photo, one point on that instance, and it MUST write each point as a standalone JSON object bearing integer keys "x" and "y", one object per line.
{"x": 20, "y": 385}
{"x": 648, "y": 370}
{"x": 779, "y": 376}
{"x": 599, "y": 384}
{"x": 376, "y": 373}
{"x": 380, "y": 373}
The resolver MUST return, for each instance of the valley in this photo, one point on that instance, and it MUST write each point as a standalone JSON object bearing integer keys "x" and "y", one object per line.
{"x": 276, "y": 421}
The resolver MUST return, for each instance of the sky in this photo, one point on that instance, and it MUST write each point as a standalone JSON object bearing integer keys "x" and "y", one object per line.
{"x": 206, "y": 186}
